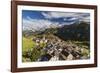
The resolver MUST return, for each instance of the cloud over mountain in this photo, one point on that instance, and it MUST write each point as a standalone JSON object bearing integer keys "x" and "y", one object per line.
{"x": 37, "y": 24}
{"x": 41, "y": 20}
{"x": 41, "y": 24}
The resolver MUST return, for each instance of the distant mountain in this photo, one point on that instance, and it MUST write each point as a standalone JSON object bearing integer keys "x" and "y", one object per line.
{"x": 76, "y": 31}
{"x": 41, "y": 25}
{"x": 38, "y": 25}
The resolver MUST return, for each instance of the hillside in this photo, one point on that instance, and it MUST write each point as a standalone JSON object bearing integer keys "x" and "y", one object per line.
{"x": 68, "y": 42}
{"x": 79, "y": 32}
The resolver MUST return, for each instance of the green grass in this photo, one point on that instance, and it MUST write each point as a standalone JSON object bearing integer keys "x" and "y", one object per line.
{"x": 27, "y": 44}
{"x": 85, "y": 52}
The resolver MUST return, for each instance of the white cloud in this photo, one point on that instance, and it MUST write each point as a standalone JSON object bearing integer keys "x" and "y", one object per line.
{"x": 74, "y": 18}
{"x": 58, "y": 14}
{"x": 50, "y": 15}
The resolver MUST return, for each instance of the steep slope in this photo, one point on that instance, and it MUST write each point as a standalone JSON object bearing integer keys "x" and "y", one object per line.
{"x": 79, "y": 31}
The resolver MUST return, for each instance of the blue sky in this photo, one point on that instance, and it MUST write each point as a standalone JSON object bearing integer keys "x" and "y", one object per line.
{"x": 32, "y": 14}
{"x": 43, "y": 19}
{"x": 47, "y": 15}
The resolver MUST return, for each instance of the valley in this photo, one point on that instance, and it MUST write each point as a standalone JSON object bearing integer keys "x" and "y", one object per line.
{"x": 68, "y": 42}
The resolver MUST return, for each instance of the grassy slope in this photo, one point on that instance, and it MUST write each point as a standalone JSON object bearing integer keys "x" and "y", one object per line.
{"x": 35, "y": 53}
{"x": 27, "y": 43}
